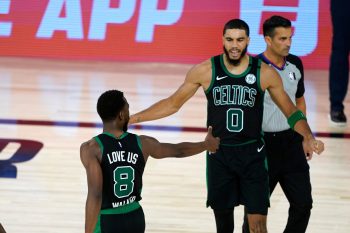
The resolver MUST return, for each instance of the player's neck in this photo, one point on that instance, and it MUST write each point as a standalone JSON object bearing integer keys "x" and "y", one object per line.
{"x": 275, "y": 59}
{"x": 113, "y": 129}
{"x": 237, "y": 69}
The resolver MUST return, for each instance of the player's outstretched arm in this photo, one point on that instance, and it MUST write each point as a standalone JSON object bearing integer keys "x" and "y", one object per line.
{"x": 199, "y": 75}
{"x": 158, "y": 150}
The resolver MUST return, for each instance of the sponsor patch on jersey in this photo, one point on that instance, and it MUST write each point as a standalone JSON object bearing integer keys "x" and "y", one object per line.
{"x": 250, "y": 78}
{"x": 292, "y": 76}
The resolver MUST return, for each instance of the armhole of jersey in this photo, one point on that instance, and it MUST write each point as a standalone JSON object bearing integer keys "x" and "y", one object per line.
{"x": 258, "y": 76}
{"x": 301, "y": 85}
{"x": 139, "y": 142}
{"x": 212, "y": 75}
{"x": 97, "y": 139}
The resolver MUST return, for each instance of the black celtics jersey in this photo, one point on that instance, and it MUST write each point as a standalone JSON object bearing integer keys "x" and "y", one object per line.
{"x": 122, "y": 167}
{"x": 235, "y": 103}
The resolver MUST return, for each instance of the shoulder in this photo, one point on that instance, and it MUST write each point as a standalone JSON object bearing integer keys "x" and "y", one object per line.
{"x": 89, "y": 144}
{"x": 200, "y": 74}
{"x": 201, "y": 68}
{"x": 147, "y": 140}
{"x": 266, "y": 69}
{"x": 89, "y": 149}
{"x": 268, "y": 76}
{"x": 149, "y": 145}
{"x": 294, "y": 59}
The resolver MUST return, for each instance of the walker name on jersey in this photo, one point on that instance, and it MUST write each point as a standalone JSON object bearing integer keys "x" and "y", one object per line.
{"x": 234, "y": 94}
{"x": 122, "y": 156}
{"x": 125, "y": 202}
{"x": 13, "y": 151}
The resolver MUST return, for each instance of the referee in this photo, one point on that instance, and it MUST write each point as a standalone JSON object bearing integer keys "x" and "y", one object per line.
{"x": 287, "y": 162}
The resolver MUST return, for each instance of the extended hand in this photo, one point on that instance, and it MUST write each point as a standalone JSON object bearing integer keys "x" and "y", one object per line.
{"x": 212, "y": 143}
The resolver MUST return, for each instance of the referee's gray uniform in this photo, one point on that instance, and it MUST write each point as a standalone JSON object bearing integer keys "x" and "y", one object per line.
{"x": 286, "y": 159}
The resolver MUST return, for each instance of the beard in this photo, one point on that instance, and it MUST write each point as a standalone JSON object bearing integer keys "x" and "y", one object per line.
{"x": 235, "y": 62}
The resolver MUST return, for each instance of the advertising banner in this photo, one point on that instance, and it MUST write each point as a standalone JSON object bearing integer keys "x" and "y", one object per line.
{"x": 181, "y": 31}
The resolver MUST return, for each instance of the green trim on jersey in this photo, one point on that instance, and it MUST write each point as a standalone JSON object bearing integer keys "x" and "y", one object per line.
{"x": 123, "y": 135}
{"x": 234, "y": 75}
{"x": 258, "y": 78}
{"x": 139, "y": 142}
{"x": 241, "y": 144}
{"x": 98, "y": 225}
{"x": 212, "y": 75}
{"x": 122, "y": 209}
{"x": 99, "y": 143}
{"x": 109, "y": 134}
{"x": 120, "y": 137}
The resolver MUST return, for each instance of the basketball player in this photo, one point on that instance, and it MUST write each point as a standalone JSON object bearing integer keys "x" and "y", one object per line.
{"x": 234, "y": 84}
{"x": 114, "y": 163}
{"x": 287, "y": 164}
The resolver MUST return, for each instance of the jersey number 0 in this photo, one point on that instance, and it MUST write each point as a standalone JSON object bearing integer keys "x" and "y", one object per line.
{"x": 234, "y": 120}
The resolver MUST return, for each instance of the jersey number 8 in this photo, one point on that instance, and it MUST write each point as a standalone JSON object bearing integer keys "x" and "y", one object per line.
{"x": 124, "y": 181}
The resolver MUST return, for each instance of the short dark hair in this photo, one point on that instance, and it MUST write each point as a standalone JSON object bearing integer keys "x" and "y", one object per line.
{"x": 110, "y": 104}
{"x": 273, "y": 22}
{"x": 236, "y": 24}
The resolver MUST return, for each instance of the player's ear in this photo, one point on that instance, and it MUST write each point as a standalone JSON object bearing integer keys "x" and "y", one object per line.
{"x": 268, "y": 40}
{"x": 121, "y": 115}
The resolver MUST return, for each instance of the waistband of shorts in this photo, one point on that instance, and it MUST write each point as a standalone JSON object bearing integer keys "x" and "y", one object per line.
{"x": 283, "y": 133}
{"x": 243, "y": 144}
{"x": 122, "y": 209}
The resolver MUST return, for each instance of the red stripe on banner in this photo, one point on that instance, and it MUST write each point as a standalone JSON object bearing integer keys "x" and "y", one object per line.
{"x": 162, "y": 4}
{"x": 292, "y": 3}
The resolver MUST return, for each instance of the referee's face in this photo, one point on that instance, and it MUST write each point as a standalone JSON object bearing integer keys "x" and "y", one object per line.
{"x": 281, "y": 41}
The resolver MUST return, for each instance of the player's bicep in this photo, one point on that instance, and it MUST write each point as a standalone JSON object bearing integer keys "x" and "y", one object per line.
{"x": 278, "y": 94}
{"x": 183, "y": 93}
{"x": 187, "y": 89}
{"x": 89, "y": 153}
{"x": 152, "y": 147}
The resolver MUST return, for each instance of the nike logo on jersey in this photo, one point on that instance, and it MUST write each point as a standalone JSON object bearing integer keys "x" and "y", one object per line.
{"x": 219, "y": 78}
{"x": 260, "y": 149}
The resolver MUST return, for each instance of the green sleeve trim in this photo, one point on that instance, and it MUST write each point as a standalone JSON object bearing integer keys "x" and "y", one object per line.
{"x": 98, "y": 224}
{"x": 212, "y": 75}
{"x": 120, "y": 137}
{"x": 122, "y": 209}
{"x": 222, "y": 63}
{"x": 258, "y": 78}
{"x": 139, "y": 142}
{"x": 97, "y": 139}
{"x": 295, "y": 117}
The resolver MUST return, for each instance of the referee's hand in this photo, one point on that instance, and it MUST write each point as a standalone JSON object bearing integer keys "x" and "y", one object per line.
{"x": 312, "y": 145}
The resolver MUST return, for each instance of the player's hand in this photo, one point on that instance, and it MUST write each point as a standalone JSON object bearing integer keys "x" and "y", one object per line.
{"x": 212, "y": 143}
